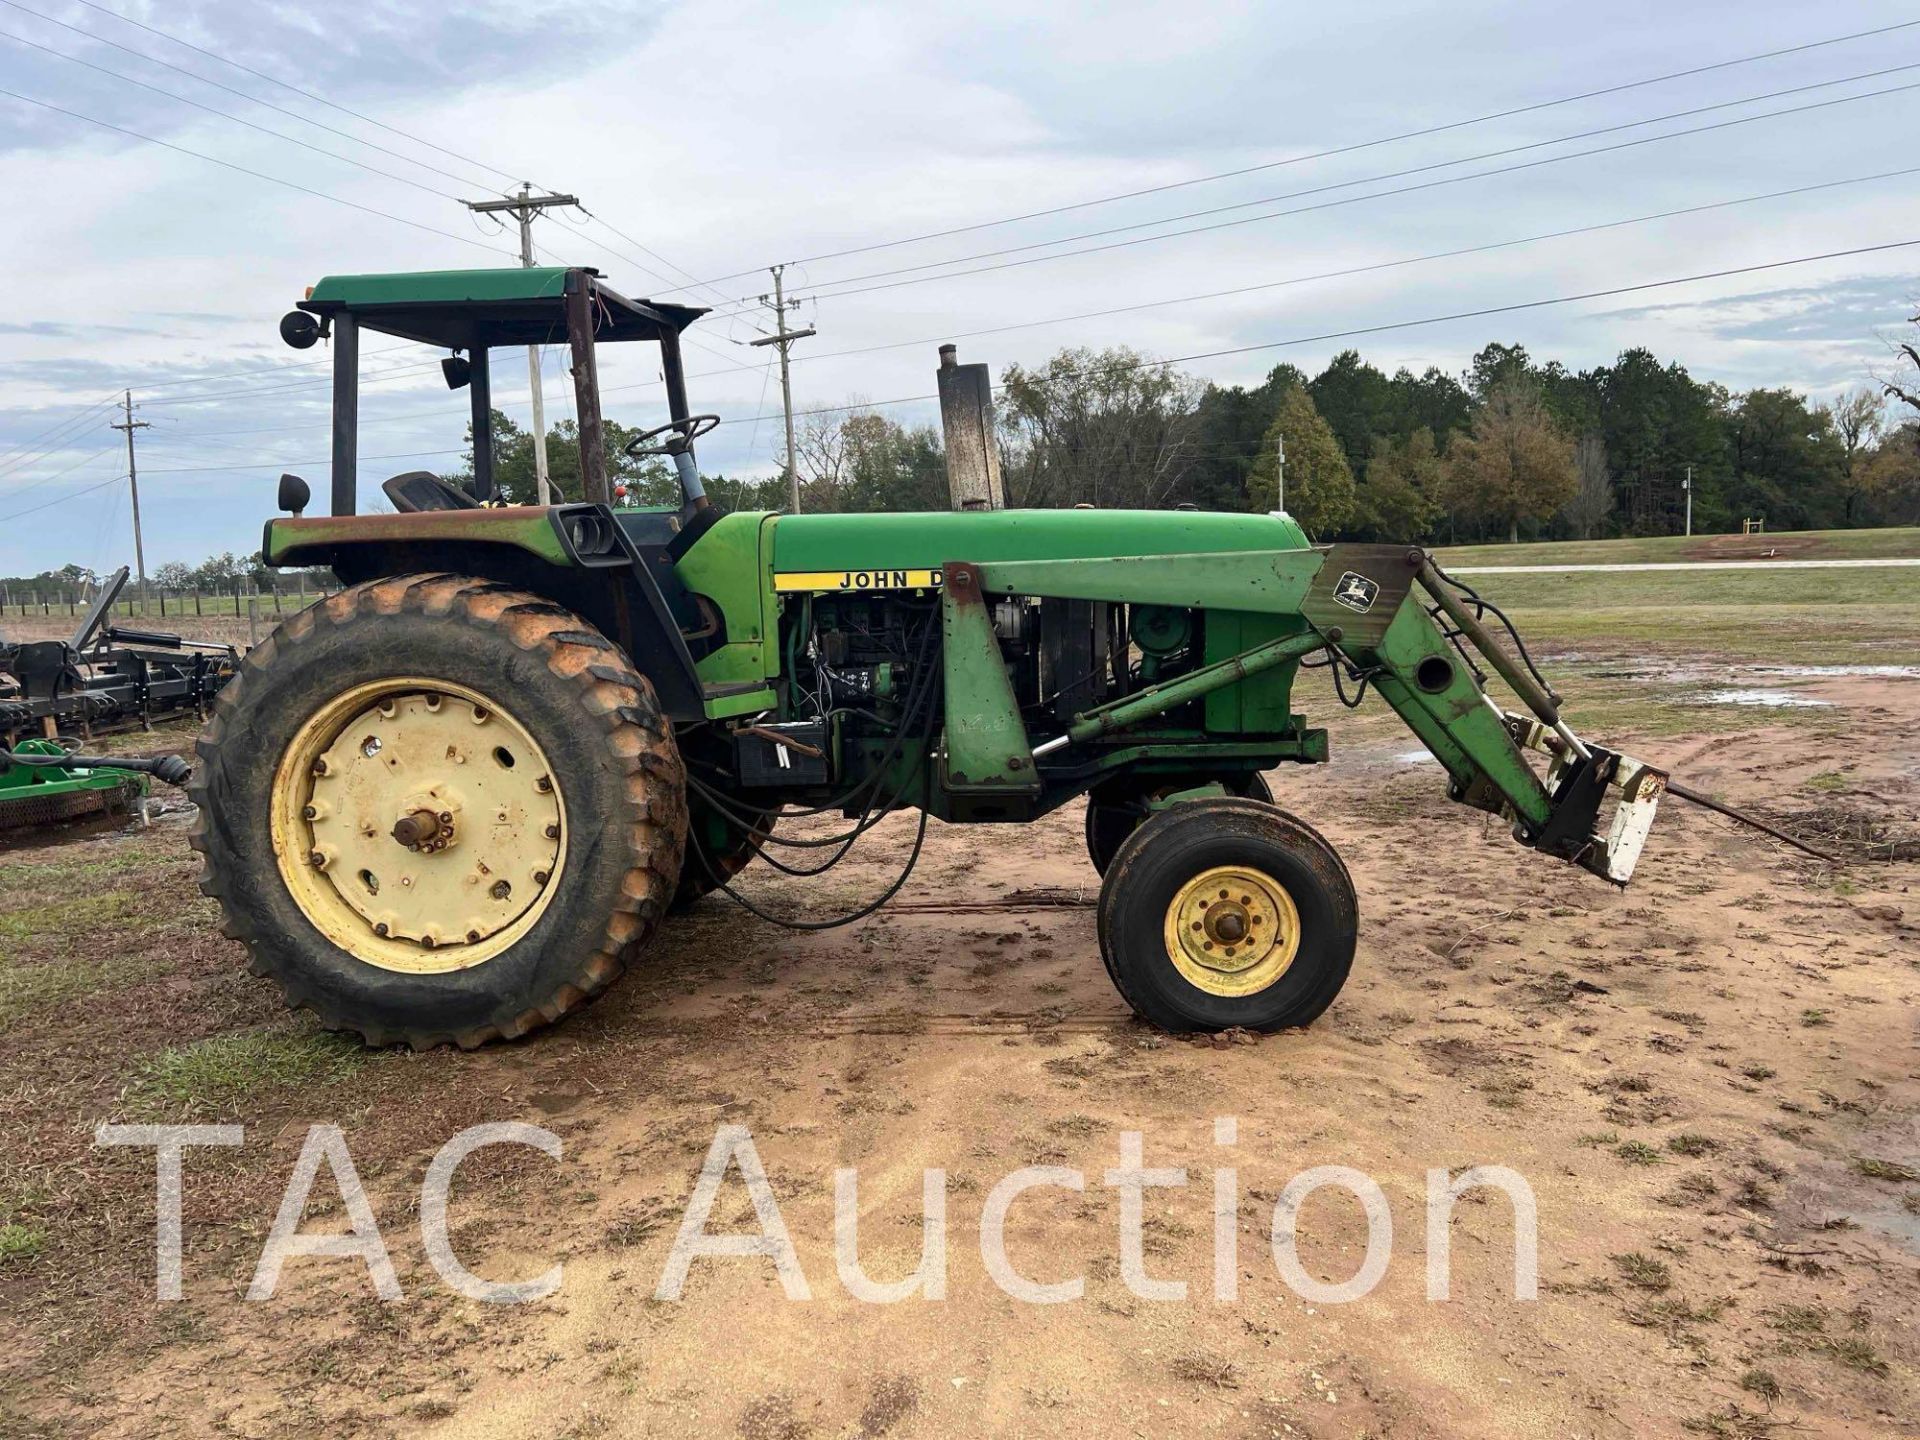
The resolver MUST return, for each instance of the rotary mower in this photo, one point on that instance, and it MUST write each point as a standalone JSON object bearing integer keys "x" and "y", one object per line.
{"x": 455, "y": 800}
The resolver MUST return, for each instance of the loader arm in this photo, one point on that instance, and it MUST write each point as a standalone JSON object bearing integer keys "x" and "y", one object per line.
{"x": 1387, "y": 616}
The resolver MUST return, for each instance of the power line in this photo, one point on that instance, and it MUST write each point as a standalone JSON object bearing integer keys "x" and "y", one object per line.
{"x": 128, "y": 426}
{"x": 651, "y": 254}
{"x": 268, "y": 463}
{"x": 62, "y": 499}
{"x": 306, "y": 94}
{"x": 65, "y": 430}
{"x": 68, "y": 470}
{"x": 226, "y": 115}
{"x": 261, "y": 370}
{"x": 1326, "y": 204}
{"x": 1163, "y": 361}
{"x": 242, "y": 169}
{"x": 1611, "y": 291}
{"x": 525, "y": 208}
{"x": 229, "y": 89}
{"x": 1374, "y": 266}
{"x": 1339, "y": 150}
{"x": 1489, "y": 246}
{"x": 783, "y": 338}
{"x": 312, "y": 382}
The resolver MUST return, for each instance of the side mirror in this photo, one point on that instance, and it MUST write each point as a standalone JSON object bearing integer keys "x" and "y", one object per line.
{"x": 458, "y": 370}
{"x": 299, "y": 329}
{"x": 295, "y": 493}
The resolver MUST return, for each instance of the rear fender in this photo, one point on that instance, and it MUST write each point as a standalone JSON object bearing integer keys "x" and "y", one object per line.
{"x": 574, "y": 555}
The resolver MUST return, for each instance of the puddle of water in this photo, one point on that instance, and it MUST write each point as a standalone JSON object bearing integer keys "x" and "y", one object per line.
{"x": 1680, "y": 673}
{"x": 1894, "y": 1221}
{"x": 1764, "y": 699}
{"x": 1817, "y": 672}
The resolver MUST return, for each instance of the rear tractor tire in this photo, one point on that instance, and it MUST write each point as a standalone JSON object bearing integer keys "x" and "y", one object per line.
{"x": 439, "y": 809}
{"x": 1227, "y": 913}
{"x": 1117, "y": 809}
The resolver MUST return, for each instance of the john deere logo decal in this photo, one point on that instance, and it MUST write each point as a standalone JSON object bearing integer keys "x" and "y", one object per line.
{"x": 1356, "y": 591}
{"x": 816, "y": 580}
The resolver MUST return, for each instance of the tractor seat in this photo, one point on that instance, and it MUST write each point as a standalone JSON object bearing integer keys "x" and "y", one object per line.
{"x": 422, "y": 490}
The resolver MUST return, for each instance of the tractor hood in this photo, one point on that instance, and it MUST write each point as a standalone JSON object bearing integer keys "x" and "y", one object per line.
{"x": 816, "y": 551}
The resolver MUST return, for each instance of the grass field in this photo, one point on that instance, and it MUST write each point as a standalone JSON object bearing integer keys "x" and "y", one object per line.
{"x": 1838, "y": 617}
{"x": 1898, "y": 542}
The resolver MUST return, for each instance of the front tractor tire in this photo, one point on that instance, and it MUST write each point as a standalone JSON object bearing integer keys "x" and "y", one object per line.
{"x": 1121, "y": 806}
{"x": 439, "y": 810}
{"x": 1227, "y": 913}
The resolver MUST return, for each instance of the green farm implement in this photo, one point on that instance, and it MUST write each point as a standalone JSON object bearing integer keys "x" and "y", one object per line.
{"x": 41, "y": 783}
{"x": 457, "y": 799}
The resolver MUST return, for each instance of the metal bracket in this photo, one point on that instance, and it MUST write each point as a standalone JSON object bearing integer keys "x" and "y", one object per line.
{"x": 986, "y": 740}
{"x": 1636, "y": 785}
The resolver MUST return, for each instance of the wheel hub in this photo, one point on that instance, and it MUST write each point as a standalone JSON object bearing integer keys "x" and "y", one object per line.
{"x": 1232, "y": 930}
{"x": 428, "y": 822}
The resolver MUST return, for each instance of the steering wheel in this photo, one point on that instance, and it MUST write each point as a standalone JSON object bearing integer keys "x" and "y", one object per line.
{"x": 685, "y": 432}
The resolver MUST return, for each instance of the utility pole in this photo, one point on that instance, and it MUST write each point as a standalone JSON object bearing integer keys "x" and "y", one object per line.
{"x": 133, "y": 485}
{"x": 1688, "y": 487}
{"x": 784, "y": 338}
{"x": 524, "y": 207}
{"x": 1280, "y": 457}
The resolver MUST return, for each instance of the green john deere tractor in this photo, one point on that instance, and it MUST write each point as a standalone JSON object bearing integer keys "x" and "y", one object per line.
{"x": 456, "y": 799}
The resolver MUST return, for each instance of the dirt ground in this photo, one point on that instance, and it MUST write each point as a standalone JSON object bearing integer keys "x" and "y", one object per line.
{"x": 1710, "y": 1081}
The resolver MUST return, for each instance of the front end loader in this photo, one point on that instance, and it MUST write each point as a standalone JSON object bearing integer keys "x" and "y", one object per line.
{"x": 455, "y": 800}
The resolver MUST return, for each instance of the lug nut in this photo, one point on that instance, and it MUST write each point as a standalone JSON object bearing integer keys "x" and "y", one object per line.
{"x": 311, "y": 812}
{"x": 473, "y": 937}
{"x": 539, "y": 877}
{"x": 553, "y": 832}
{"x": 320, "y": 766}
{"x": 317, "y": 860}
{"x": 501, "y": 890}
{"x": 381, "y": 928}
{"x": 544, "y": 785}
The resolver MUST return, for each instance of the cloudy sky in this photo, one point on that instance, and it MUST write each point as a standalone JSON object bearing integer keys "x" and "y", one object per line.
{"x": 710, "y": 140}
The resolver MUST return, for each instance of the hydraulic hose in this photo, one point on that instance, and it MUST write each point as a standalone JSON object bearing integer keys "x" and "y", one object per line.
{"x": 169, "y": 769}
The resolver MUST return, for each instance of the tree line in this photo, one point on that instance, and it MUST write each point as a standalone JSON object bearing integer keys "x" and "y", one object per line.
{"x": 1509, "y": 448}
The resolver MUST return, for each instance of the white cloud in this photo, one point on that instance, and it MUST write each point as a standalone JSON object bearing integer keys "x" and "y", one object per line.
{"x": 729, "y": 135}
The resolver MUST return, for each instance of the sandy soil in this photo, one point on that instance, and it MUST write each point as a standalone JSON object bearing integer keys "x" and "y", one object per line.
{"x": 1686, "y": 1074}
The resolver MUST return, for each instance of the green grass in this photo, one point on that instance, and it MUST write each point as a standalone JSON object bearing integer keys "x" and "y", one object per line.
{"x": 1893, "y": 1170}
{"x": 218, "y": 1072}
{"x": 68, "y": 871}
{"x": 1899, "y": 542}
{"x": 1761, "y": 1383}
{"x": 20, "y": 1242}
{"x": 27, "y": 987}
{"x": 1819, "y": 617}
{"x": 75, "y": 917}
{"x": 1692, "y": 1145}
{"x": 1643, "y": 1272}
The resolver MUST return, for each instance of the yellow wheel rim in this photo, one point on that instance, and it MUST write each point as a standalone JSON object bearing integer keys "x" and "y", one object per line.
{"x": 418, "y": 825}
{"x": 1232, "y": 930}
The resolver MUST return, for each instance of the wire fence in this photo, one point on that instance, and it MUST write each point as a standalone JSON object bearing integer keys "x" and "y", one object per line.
{"x": 162, "y": 604}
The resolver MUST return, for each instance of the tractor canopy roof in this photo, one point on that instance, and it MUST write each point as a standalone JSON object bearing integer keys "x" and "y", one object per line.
{"x": 466, "y": 309}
